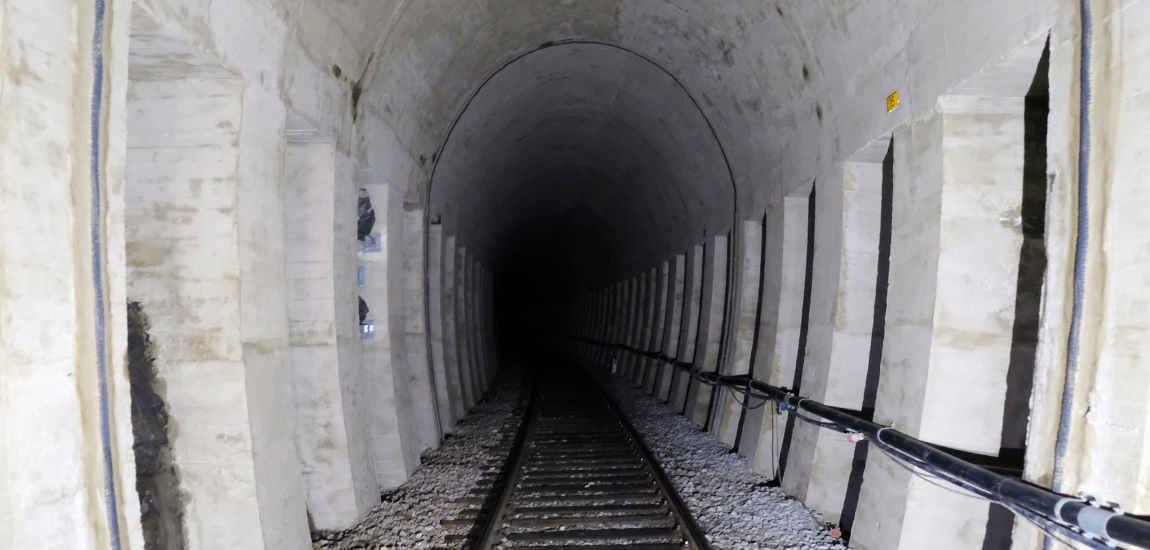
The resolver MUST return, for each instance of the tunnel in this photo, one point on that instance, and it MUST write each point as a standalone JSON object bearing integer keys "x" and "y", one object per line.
{"x": 722, "y": 274}
{"x": 567, "y": 176}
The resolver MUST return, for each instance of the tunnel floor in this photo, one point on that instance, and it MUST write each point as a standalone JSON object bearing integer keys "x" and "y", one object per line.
{"x": 735, "y": 506}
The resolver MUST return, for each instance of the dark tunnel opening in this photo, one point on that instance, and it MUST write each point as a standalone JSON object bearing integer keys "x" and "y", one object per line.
{"x": 529, "y": 292}
{"x": 571, "y": 167}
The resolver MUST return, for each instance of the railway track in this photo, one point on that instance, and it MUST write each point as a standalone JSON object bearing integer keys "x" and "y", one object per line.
{"x": 582, "y": 477}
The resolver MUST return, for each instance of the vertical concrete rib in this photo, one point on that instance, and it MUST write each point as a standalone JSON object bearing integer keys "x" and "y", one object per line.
{"x": 635, "y": 335}
{"x": 473, "y": 328}
{"x": 481, "y": 321}
{"x": 673, "y": 326}
{"x": 618, "y": 325}
{"x": 944, "y": 366}
{"x": 466, "y": 365}
{"x": 649, "y": 290}
{"x": 690, "y": 326}
{"x": 423, "y": 404}
{"x": 711, "y": 329}
{"x": 842, "y": 319}
{"x": 444, "y": 377}
{"x": 781, "y": 320}
{"x": 206, "y": 382}
{"x": 325, "y": 354}
{"x": 660, "y": 320}
{"x": 745, "y": 320}
{"x": 461, "y": 386}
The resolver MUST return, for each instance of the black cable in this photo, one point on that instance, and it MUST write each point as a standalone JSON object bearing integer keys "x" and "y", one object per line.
{"x": 1034, "y": 503}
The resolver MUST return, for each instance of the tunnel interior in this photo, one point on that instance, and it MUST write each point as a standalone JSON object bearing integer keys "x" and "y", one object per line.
{"x": 574, "y": 165}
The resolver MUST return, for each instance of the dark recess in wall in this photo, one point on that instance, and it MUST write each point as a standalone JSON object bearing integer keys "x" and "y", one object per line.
{"x": 878, "y": 335}
{"x": 157, "y": 482}
{"x": 801, "y": 358}
{"x": 1027, "y": 301}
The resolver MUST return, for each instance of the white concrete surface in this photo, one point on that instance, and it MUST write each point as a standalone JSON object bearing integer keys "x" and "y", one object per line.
{"x": 391, "y": 438}
{"x": 51, "y": 479}
{"x": 710, "y": 327}
{"x": 647, "y": 320}
{"x": 465, "y": 360}
{"x": 842, "y": 331}
{"x": 332, "y": 409}
{"x": 673, "y": 326}
{"x": 444, "y": 381}
{"x": 458, "y": 379}
{"x": 745, "y": 324}
{"x": 638, "y": 323}
{"x": 791, "y": 92}
{"x": 780, "y": 318}
{"x": 688, "y": 335}
{"x": 184, "y": 267}
{"x": 970, "y": 184}
{"x": 655, "y": 344}
{"x": 421, "y": 377}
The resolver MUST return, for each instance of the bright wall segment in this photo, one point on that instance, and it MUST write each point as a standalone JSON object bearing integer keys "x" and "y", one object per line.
{"x": 390, "y": 116}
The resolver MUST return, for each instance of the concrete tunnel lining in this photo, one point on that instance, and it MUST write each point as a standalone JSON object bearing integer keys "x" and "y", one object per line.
{"x": 555, "y": 150}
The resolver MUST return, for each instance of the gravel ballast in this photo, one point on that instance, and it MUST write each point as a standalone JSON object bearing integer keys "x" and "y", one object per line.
{"x": 729, "y": 500}
{"x": 410, "y": 515}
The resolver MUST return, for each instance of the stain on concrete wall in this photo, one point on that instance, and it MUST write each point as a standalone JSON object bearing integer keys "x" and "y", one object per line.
{"x": 157, "y": 479}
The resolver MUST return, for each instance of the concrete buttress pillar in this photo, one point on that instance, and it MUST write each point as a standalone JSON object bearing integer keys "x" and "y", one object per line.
{"x": 635, "y": 335}
{"x": 710, "y": 328}
{"x": 462, "y": 335}
{"x": 954, "y": 260}
{"x": 693, "y": 294}
{"x": 445, "y": 382}
{"x": 745, "y": 325}
{"x": 205, "y": 258}
{"x": 841, "y": 345}
{"x": 460, "y": 378}
{"x": 672, "y": 327}
{"x": 477, "y": 370}
{"x": 326, "y": 355}
{"x": 392, "y": 441}
{"x": 52, "y": 476}
{"x": 655, "y": 344}
{"x": 425, "y": 409}
{"x": 650, "y": 288}
{"x": 781, "y": 320}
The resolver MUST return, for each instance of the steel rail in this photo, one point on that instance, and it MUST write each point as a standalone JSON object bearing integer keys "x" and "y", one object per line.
{"x": 1082, "y": 518}
{"x": 529, "y": 451}
{"x": 692, "y": 532}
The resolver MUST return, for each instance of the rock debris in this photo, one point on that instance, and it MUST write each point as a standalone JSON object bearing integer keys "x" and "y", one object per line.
{"x": 729, "y": 500}
{"x": 409, "y": 516}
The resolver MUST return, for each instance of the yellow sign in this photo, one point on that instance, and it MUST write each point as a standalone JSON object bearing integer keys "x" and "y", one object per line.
{"x": 891, "y": 102}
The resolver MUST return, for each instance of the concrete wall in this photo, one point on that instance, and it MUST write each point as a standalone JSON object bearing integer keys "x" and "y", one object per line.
{"x": 712, "y": 311}
{"x": 62, "y": 305}
{"x": 689, "y": 331}
{"x": 745, "y": 328}
{"x": 197, "y": 91}
{"x": 187, "y": 255}
{"x": 323, "y": 303}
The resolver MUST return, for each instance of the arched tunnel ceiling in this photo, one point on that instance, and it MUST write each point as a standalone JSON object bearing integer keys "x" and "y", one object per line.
{"x": 591, "y": 147}
{"x": 788, "y": 87}
{"x": 743, "y": 61}
{"x": 763, "y": 71}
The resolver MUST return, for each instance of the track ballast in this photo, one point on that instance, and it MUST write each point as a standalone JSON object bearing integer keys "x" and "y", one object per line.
{"x": 582, "y": 478}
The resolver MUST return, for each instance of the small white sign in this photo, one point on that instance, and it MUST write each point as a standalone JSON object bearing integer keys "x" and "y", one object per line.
{"x": 367, "y": 329}
{"x": 373, "y": 243}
